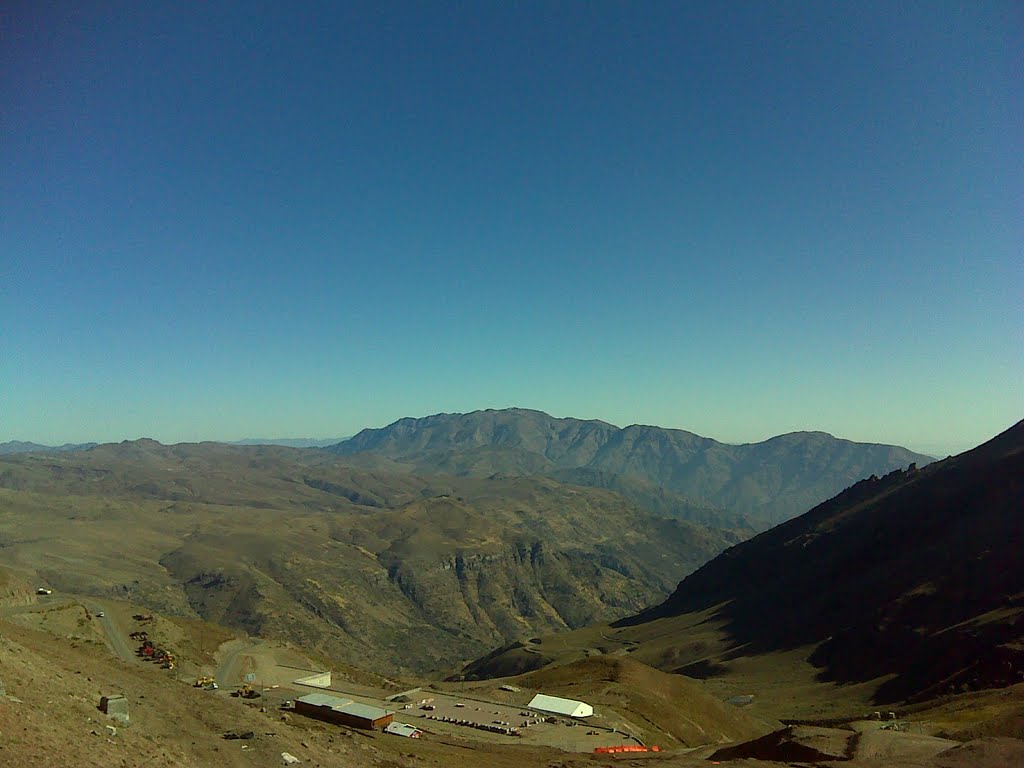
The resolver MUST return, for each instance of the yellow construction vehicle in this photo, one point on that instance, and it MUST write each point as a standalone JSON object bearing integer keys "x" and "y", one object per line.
{"x": 247, "y": 692}
{"x": 203, "y": 681}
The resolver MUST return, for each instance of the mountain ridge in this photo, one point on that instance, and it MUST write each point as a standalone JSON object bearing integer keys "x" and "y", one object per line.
{"x": 767, "y": 481}
{"x": 21, "y": 446}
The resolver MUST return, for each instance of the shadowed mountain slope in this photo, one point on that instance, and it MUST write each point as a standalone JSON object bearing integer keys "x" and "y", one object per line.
{"x": 766, "y": 482}
{"x": 916, "y": 578}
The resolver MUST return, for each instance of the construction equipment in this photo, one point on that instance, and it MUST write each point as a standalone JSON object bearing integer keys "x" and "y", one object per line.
{"x": 247, "y": 692}
{"x": 139, "y": 635}
{"x": 203, "y": 681}
{"x": 168, "y": 661}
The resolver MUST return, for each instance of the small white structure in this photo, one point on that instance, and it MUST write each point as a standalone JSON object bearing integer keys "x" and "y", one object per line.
{"x": 317, "y": 680}
{"x": 403, "y": 729}
{"x": 560, "y": 706}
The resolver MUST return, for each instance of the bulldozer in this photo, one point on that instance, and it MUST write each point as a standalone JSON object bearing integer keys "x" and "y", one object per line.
{"x": 247, "y": 692}
{"x": 203, "y": 681}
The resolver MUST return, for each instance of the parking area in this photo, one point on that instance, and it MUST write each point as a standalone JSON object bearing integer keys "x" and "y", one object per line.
{"x": 448, "y": 714}
{"x": 469, "y": 718}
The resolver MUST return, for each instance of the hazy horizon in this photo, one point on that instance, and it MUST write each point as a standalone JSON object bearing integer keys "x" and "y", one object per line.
{"x": 740, "y": 220}
{"x": 937, "y": 451}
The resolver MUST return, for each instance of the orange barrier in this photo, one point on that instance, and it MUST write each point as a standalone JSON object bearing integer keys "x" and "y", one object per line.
{"x": 625, "y": 748}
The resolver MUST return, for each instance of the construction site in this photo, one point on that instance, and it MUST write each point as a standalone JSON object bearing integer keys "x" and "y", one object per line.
{"x": 419, "y": 712}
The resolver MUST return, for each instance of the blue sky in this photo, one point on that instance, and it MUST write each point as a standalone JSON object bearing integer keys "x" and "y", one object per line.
{"x": 228, "y": 219}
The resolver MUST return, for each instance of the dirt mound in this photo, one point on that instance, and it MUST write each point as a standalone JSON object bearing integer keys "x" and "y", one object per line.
{"x": 803, "y": 744}
{"x": 889, "y": 746}
{"x": 990, "y": 751}
{"x": 667, "y": 705}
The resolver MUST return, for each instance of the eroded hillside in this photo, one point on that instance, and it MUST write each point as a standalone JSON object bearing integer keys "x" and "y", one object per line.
{"x": 289, "y": 543}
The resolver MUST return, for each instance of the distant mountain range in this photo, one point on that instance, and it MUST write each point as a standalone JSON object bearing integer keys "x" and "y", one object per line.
{"x": 18, "y": 446}
{"x": 679, "y": 473}
{"x": 289, "y": 442}
{"x": 670, "y": 472}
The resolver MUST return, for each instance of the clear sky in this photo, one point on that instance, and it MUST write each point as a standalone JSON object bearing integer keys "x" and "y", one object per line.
{"x": 296, "y": 219}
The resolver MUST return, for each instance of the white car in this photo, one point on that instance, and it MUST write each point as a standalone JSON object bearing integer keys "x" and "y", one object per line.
{"x": 100, "y": 615}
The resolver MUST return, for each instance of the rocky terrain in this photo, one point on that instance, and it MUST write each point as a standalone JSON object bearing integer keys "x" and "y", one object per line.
{"x": 56, "y": 671}
{"x": 882, "y": 628}
{"x": 670, "y": 471}
{"x": 288, "y": 543}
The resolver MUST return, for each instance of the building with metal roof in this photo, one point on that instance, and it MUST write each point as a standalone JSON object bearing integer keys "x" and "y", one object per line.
{"x": 403, "y": 729}
{"x": 560, "y": 706}
{"x": 323, "y": 700}
{"x": 331, "y": 709}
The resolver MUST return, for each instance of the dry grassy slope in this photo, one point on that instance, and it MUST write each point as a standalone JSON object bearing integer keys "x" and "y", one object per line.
{"x": 672, "y": 709}
{"x": 14, "y": 589}
{"x": 295, "y": 544}
{"x": 975, "y": 715}
{"x": 53, "y": 719}
{"x": 49, "y": 717}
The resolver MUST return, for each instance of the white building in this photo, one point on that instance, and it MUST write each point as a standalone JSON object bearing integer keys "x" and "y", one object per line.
{"x": 403, "y": 729}
{"x": 560, "y": 706}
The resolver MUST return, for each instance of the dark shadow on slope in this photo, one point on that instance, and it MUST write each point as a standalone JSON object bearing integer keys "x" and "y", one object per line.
{"x": 917, "y": 574}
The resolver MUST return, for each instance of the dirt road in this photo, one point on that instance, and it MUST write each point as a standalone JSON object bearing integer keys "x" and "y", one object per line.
{"x": 36, "y": 607}
{"x": 115, "y": 635}
{"x": 229, "y": 672}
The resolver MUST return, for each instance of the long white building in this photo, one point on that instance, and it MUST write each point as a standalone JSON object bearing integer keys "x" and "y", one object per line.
{"x": 560, "y": 706}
